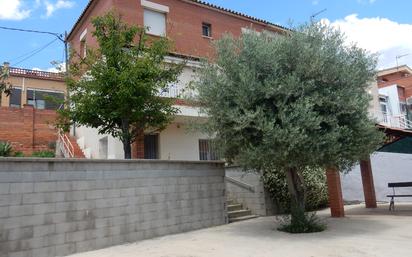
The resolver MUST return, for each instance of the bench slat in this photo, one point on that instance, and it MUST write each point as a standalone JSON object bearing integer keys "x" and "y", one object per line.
{"x": 399, "y": 196}
{"x": 400, "y": 184}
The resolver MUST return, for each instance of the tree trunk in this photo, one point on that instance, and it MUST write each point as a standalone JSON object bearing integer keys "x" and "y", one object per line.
{"x": 127, "y": 147}
{"x": 126, "y": 139}
{"x": 297, "y": 194}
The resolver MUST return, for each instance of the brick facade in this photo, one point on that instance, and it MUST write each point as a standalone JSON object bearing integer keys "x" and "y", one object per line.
{"x": 28, "y": 129}
{"x": 183, "y": 23}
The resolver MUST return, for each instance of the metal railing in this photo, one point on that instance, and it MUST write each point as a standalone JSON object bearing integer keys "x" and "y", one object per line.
{"x": 178, "y": 91}
{"x": 36, "y": 73}
{"x": 66, "y": 147}
{"x": 393, "y": 121}
{"x": 240, "y": 184}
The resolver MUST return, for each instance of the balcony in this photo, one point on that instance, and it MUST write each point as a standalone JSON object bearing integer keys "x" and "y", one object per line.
{"x": 393, "y": 121}
{"x": 178, "y": 91}
{"x": 36, "y": 74}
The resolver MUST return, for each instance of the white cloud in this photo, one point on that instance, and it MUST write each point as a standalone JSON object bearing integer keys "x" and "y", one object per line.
{"x": 366, "y": 1}
{"x": 61, "y": 67}
{"x": 60, "y": 4}
{"x": 379, "y": 35}
{"x": 13, "y": 10}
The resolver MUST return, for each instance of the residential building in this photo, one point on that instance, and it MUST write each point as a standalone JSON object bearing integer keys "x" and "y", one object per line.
{"x": 28, "y": 114}
{"x": 395, "y": 97}
{"x": 192, "y": 26}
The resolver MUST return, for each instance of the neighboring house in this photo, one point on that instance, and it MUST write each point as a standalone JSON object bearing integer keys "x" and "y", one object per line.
{"x": 192, "y": 26}
{"x": 395, "y": 97}
{"x": 392, "y": 105}
{"x": 27, "y": 116}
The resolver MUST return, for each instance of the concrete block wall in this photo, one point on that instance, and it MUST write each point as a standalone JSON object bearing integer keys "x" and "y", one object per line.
{"x": 259, "y": 201}
{"x": 57, "y": 207}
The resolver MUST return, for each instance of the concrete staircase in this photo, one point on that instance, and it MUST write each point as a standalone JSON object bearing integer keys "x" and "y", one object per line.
{"x": 236, "y": 212}
{"x": 78, "y": 153}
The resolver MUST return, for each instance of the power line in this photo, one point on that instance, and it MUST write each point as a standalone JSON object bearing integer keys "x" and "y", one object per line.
{"x": 26, "y": 54}
{"x": 59, "y": 36}
{"x": 36, "y": 52}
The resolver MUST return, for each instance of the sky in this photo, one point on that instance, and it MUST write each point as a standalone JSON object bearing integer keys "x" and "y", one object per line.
{"x": 380, "y": 26}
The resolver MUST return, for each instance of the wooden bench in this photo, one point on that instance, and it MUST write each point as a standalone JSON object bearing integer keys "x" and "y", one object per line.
{"x": 392, "y": 196}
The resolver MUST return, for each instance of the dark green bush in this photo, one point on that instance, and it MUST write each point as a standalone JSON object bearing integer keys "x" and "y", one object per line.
{"x": 303, "y": 223}
{"x": 5, "y": 149}
{"x": 44, "y": 154}
{"x": 18, "y": 154}
{"x": 316, "y": 189}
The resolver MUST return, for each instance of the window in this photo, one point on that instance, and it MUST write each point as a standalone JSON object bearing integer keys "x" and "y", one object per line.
{"x": 208, "y": 150}
{"x": 155, "y": 22}
{"x": 44, "y": 99}
{"x": 206, "y": 30}
{"x": 83, "y": 48}
{"x": 151, "y": 147}
{"x": 15, "y": 98}
{"x": 403, "y": 107}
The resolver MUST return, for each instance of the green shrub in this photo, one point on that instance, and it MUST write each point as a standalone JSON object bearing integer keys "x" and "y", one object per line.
{"x": 316, "y": 189}
{"x": 5, "y": 149}
{"x": 44, "y": 154}
{"x": 303, "y": 223}
{"x": 18, "y": 154}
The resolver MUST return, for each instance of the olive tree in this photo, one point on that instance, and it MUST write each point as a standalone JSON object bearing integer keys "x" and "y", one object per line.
{"x": 290, "y": 102}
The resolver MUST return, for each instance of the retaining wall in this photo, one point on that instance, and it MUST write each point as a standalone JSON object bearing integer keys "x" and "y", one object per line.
{"x": 51, "y": 207}
{"x": 256, "y": 199}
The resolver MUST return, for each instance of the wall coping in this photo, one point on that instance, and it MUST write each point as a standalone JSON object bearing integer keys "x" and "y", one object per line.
{"x": 96, "y": 161}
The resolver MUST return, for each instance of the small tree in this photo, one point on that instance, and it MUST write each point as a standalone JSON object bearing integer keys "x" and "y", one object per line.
{"x": 290, "y": 103}
{"x": 119, "y": 85}
{"x": 5, "y": 85}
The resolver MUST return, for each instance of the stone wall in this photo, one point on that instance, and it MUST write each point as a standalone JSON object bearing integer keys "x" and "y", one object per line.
{"x": 28, "y": 129}
{"x": 256, "y": 199}
{"x": 51, "y": 207}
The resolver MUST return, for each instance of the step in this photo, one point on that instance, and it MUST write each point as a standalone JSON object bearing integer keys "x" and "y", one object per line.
{"x": 239, "y": 213}
{"x": 230, "y": 202}
{"x": 234, "y": 207}
{"x": 243, "y": 218}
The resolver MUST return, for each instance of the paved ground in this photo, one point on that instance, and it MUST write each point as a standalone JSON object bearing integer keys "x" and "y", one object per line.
{"x": 362, "y": 233}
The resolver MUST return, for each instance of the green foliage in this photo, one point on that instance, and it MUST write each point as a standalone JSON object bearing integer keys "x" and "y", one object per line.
{"x": 303, "y": 223}
{"x": 118, "y": 92}
{"x": 316, "y": 189}
{"x": 5, "y": 149}
{"x": 44, "y": 154}
{"x": 5, "y": 85}
{"x": 18, "y": 154}
{"x": 290, "y": 101}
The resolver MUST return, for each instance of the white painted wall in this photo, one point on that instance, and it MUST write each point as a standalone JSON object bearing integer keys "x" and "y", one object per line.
{"x": 88, "y": 140}
{"x": 180, "y": 142}
{"x": 393, "y": 99}
{"x": 386, "y": 168}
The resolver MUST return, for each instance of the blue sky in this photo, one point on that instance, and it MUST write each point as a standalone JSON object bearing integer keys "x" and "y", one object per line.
{"x": 383, "y": 26}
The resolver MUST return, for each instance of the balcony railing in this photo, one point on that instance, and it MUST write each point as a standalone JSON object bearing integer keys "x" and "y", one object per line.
{"x": 36, "y": 73}
{"x": 178, "y": 91}
{"x": 393, "y": 121}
